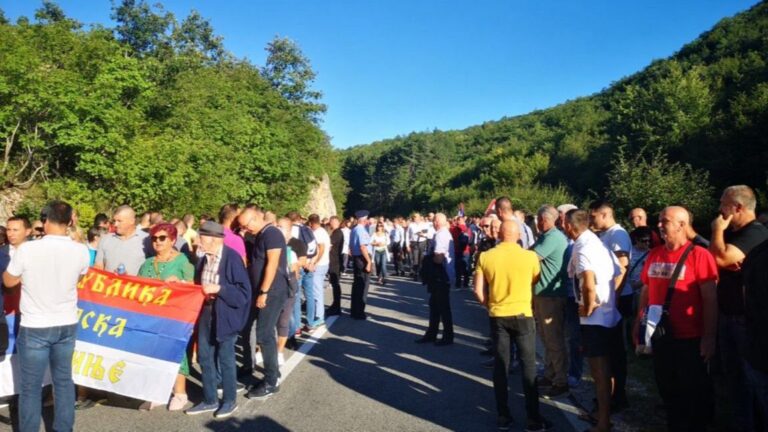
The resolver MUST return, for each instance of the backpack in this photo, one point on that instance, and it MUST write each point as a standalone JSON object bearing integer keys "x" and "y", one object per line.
{"x": 308, "y": 237}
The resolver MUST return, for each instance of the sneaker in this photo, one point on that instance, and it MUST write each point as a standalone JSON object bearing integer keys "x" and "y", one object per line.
{"x": 226, "y": 410}
{"x": 573, "y": 382}
{"x": 239, "y": 388}
{"x": 332, "y": 311}
{"x": 259, "y": 358}
{"x": 262, "y": 391}
{"x": 556, "y": 391}
{"x": 542, "y": 425}
{"x": 280, "y": 359}
{"x": 504, "y": 423}
{"x": 202, "y": 408}
{"x": 178, "y": 402}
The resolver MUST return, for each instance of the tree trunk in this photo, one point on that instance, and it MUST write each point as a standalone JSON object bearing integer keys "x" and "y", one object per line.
{"x": 10, "y": 199}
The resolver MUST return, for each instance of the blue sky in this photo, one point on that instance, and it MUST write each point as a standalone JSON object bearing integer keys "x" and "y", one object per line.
{"x": 390, "y": 67}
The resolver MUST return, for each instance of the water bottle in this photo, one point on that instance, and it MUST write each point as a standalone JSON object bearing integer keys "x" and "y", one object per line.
{"x": 121, "y": 269}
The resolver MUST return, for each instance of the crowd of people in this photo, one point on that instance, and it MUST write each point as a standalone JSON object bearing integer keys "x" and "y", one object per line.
{"x": 574, "y": 278}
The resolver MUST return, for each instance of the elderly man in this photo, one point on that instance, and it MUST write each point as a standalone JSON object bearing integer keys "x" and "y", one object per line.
{"x": 224, "y": 281}
{"x": 125, "y": 250}
{"x": 735, "y": 232}
{"x": 48, "y": 271}
{"x": 359, "y": 240}
{"x": 269, "y": 279}
{"x": 680, "y": 362}
{"x": 504, "y": 284}
{"x": 440, "y": 277}
{"x": 550, "y": 299}
{"x": 594, "y": 269}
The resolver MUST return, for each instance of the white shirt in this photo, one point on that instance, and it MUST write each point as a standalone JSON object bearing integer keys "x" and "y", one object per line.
{"x": 616, "y": 239}
{"x": 346, "y": 232}
{"x": 397, "y": 235}
{"x": 322, "y": 238}
{"x": 443, "y": 244}
{"x": 49, "y": 269}
{"x": 589, "y": 253}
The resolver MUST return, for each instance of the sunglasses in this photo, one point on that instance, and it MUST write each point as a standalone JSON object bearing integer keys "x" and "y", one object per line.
{"x": 485, "y": 226}
{"x": 39, "y": 229}
{"x": 160, "y": 238}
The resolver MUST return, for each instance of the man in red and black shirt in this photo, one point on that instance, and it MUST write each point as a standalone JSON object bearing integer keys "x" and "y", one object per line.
{"x": 680, "y": 362}
{"x": 462, "y": 240}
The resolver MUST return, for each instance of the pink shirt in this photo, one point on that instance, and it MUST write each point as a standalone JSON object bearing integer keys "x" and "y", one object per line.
{"x": 234, "y": 241}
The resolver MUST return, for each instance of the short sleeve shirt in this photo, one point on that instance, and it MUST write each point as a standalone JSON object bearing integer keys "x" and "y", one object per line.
{"x": 616, "y": 239}
{"x": 551, "y": 247}
{"x": 359, "y": 238}
{"x": 589, "y": 254}
{"x": 685, "y": 311}
{"x": 132, "y": 252}
{"x": 443, "y": 244}
{"x": 509, "y": 271}
{"x": 730, "y": 295}
{"x": 234, "y": 241}
{"x": 322, "y": 238}
{"x": 268, "y": 239}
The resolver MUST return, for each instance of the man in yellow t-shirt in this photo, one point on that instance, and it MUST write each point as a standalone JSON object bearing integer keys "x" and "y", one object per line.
{"x": 504, "y": 282}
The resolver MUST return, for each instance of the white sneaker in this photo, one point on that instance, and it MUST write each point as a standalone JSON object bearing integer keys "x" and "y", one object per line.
{"x": 259, "y": 358}
{"x": 280, "y": 359}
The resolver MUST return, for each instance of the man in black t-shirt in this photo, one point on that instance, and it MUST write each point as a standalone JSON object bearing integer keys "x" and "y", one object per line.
{"x": 735, "y": 232}
{"x": 334, "y": 270}
{"x": 269, "y": 280}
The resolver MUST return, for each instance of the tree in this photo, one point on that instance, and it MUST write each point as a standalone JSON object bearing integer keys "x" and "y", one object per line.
{"x": 140, "y": 27}
{"x": 195, "y": 36}
{"x": 291, "y": 74}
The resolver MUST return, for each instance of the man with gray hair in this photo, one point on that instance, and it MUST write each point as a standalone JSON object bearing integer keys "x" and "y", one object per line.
{"x": 735, "y": 232}
{"x": 549, "y": 300}
{"x": 125, "y": 250}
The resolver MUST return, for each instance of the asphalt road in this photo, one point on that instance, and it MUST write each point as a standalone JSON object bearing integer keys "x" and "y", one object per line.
{"x": 362, "y": 376}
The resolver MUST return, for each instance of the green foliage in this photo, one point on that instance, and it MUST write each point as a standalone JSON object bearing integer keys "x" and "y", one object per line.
{"x": 160, "y": 121}
{"x": 656, "y": 182}
{"x": 704, "y": 110}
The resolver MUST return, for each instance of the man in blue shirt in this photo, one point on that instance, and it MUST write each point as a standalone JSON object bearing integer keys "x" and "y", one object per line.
{"x": 358, "y": 248}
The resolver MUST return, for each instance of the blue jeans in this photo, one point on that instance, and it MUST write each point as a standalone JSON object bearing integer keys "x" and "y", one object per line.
{"x": 308, "y": 287}
{"x": 380, "y": 261}
{"x": 39, "y": 348}
{"x": 573, "y": 338}
{"x": 208, "y": 351}
{"x": 318, "y": 282}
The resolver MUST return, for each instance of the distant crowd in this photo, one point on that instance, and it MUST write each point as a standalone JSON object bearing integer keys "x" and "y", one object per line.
{"x": 574, "y": 278}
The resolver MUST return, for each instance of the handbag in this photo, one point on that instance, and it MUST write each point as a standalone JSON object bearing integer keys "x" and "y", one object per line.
{"x": 663, "y": 332}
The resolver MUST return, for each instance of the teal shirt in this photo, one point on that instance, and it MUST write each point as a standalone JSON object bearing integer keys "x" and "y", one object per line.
{"x": 551, "y": 246}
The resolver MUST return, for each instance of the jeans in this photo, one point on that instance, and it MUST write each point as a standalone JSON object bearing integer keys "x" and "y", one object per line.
{"x": 521, "y": 331}
{"x": 266, "y": 329}
{"x": 359, "y": 288}
{"x": 248, "y": 341}
{"x": 380, "y": 260}
{"x": 573, "y": 338}
{"x": 318, "y": 284}
{"x": 38, "y": 349}
{"x": 209, "y": 350}
{"x": 550, "y": 317}
{"x": 732, "y": 340}
{"x": 307, "y": 285}
{"x": 462, "y": 270}
{"x": 440, "y": 310}
{"x": 684, "y": 384}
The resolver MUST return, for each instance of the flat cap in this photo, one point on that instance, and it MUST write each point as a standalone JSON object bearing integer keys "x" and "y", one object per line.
{"x": 211, "y": 229}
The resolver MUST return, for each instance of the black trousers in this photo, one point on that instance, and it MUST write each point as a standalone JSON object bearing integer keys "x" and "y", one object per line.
{"x": 333, "y": 275}
{"x": 684, "y": 384}
{"x": 417, "y": 253}
{"x": 397, "y": 257}
{"x": 440, "y": 310}
{"x": 521, "y": 331}
{"x": 266, "y": 332}
{"x": 359, "y": 288}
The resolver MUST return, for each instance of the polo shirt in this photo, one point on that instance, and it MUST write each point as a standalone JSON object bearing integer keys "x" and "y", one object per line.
{"x": 509, "y": 270}
{"x": 49, "y": 269}
{"x": 132, "y": 252}
{"x": 357, "y": 239}
{"x": 551, "y": 247}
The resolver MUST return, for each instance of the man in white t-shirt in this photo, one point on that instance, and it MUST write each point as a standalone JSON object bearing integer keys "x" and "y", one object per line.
{"x": 48, "y": 270}
{"x": 321, "y": 262}
{"x": 442, "y": 273}
{"x": 616, "y": 239}
{"x": 594, "y": 268}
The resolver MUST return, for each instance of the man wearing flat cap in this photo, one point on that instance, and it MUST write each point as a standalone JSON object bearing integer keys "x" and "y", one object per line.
{"x": 358, "y": 248}
{"x": 225, "y": 282}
